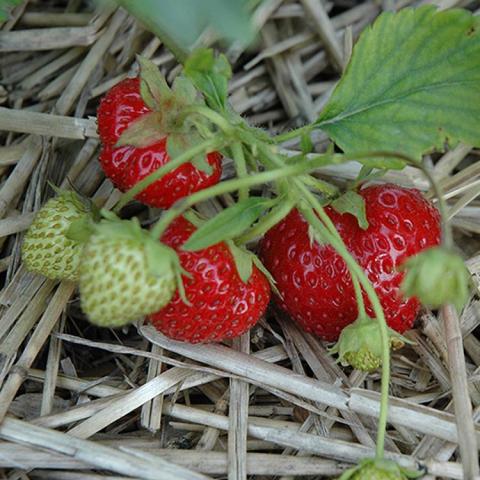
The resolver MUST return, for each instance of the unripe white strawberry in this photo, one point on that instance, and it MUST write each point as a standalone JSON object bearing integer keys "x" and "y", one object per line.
{"x": 47, "y": 249}
{"x": 125, "y": 274}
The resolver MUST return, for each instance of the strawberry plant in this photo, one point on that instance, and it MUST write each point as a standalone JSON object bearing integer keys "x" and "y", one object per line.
{"x": 339, "y": 262}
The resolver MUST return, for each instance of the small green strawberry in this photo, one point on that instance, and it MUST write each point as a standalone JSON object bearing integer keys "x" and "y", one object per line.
{"x": 360, "y": 344}
{"x": 125, "y": 274}
{"x": 47, "y": 247}
{"x": 378, "y": 470}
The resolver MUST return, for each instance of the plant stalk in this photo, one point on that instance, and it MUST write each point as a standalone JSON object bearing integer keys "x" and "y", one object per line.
{"x": 241, "y": 167}
{"x": 283, "y": 137}
{"x": 204, "y": 147}
{"x": 325, "y": 227}
{"x": 227, "y": 187}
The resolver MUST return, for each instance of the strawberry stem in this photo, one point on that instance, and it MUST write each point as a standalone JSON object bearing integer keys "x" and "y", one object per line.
{"x": 230, "y": 186}
{"x": 241, "y": 167}
{"x": 325, "y": 227}
{"x": 204, "y": 147}
{"x": 219, "y": 120}
{"x": 269, "y": 220}
{"x": 297, "y": 132}
{"x": 359, "y": 297}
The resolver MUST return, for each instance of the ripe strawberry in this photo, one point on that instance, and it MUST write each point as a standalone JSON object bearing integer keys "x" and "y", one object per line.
{"x": 124, "y": 274}
{"x": 46, "y": 247}
{"x": 222, "y": 305}
{"x": 313, "y": 280}
{"x": 127, "y": 165}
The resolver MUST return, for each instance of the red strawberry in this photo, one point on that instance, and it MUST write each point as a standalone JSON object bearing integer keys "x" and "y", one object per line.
{"x": 222, "y": 305}
{"x": 127, "y": 165}
{"x": 313, "y": 280}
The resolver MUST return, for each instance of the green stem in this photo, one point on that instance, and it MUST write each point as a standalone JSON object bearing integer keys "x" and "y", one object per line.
{"x": 320, "y": 185}
{"x": 268, "y": 221}
{"x": 241, "y": 167}
{"x": 447, "y": 237}
{"x": 204, "y": 147}
{"x": 359, "y": 297}
{"x": 283, "y": 137}
{"x": 226, "y": 187}
{"x": 213, "y": 116}
{"x": 325, "y": 227}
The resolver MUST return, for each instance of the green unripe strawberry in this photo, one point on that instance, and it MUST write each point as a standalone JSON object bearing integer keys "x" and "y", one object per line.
{"x": 125, "y": 274}
{"x": 47, "y": 249}
{"x": 360, "y": 344}
{"x": 379, "y": 470}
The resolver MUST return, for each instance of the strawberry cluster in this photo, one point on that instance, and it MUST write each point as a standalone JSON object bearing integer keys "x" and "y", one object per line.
{"x": 195, "y": 281}
{"x": 351, "y": 267}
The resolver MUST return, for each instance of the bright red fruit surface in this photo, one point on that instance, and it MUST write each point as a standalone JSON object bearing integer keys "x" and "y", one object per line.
{"x": 127, "y": 165}
{"x": 222, "y": 305}
{"x": 313, "y": 280}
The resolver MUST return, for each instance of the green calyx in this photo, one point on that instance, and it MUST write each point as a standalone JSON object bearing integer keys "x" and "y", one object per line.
{"x": 210, "y": 74}
{"x": 437, "y": 276}
{"x": 172, "y": 115}
{"x": 370, "y": 469}
{"x": 80, "y": 202}
{"x": 159, "y": 257}
{"x": 360, "y": 344}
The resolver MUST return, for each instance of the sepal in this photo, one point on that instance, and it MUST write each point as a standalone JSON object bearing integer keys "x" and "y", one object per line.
{"x": 360, "y": 344}
{"x": 436, "y": 276}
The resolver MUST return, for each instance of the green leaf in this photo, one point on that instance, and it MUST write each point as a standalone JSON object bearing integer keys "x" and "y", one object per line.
{"x": 412, "y": 84}
{"x": 153, "y": 86}
{"x": 5, "y": 6}
{"x": 243, "y": 261}
{"x": 353, "y": 203}
{"x": 144, "y": 131}
{"x": 264, "y": 270}
{"x": 81, "y": 230}
{"x": 194, "y": 217}
{"x": 159, "y": 257}
{"x": 228, "y": 224}
{"x": 185, "y": 21}
{"x": 210, "y": 75}
{"x": 184, "y": 88}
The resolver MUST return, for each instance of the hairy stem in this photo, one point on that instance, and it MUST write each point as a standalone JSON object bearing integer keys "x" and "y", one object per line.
{"x": 268, "y": 221}
{"x": 227, "y": 187}
{"x": 359, "y": 297}
{"x": 219, "y": 120}
{"x": 283, "y": 137}
{"x": 241, "y": 167}
{"x": 326, "y": 228}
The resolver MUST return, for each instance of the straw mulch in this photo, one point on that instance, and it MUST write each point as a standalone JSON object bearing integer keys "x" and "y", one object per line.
{"x": 79, "y": 402}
